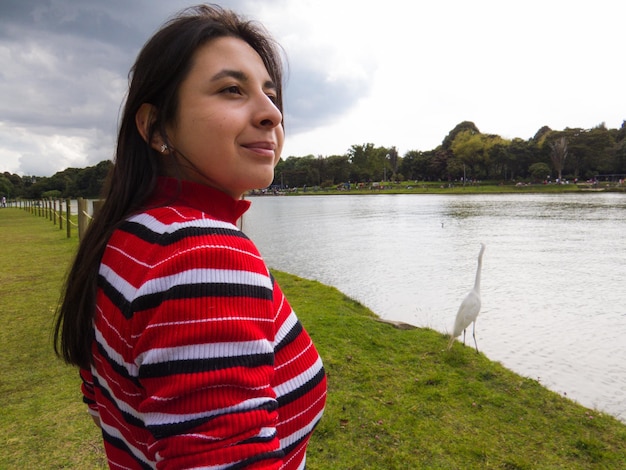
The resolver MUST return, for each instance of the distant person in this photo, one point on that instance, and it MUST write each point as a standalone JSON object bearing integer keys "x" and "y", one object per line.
{"x": 190, "y": 355}
{"x": 4, "y": 201}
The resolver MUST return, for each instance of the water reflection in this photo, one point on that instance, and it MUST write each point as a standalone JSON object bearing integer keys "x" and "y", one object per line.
{"x": 552, "y": 281}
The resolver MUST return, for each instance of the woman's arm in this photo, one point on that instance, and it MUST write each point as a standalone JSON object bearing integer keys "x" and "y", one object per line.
{"x": 206, "y": 360}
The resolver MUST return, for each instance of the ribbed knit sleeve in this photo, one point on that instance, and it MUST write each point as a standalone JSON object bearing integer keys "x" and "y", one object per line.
{"x": 200, "y": 362}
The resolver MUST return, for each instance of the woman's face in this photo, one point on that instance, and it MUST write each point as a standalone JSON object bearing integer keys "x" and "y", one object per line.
{"x": 227, "y": 125}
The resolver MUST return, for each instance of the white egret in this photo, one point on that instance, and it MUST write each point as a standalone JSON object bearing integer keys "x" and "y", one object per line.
{"x": 468, "y": 311}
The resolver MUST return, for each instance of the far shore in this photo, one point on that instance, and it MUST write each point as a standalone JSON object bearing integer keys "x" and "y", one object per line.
{"x": 444, "y": 188}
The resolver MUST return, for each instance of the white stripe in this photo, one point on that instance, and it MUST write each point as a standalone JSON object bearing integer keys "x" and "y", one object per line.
{"x": 201, "y": 276}
{"x": 280, "y": 306}
{"x": 156, "y": 419}
{"x": 114, "y": 355}
{"x": 114, "y": 431}
{"x": 207, "y": 320}
{"x": 295, "y": 358}
{"x": 300, "y": 433}
{"x": 161, "y": 228}
{"x": 265, "y": 432}
{"x": 298, "y": 380}
{"x": 105, "y": 319}
{"x": 191, "y": 276}
{"x": 118, "y": 282}
{"x": 286, "y": 327}
{"x": 183, "y": 252}
{"x": 204, "y": 351}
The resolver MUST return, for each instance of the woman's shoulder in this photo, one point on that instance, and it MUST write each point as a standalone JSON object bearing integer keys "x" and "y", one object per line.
{"x": 172, "y": 223}
{"x": 164, "y": 239}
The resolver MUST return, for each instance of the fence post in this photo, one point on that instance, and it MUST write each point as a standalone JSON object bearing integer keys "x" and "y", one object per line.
{"x": 67, "y": 217}
{"x": 60, "y": 214}
{"x": 82, "y": 217}
{"x": 54, "y": 211}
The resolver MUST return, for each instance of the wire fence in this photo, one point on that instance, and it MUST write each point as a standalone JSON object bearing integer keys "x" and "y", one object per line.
{"x": 52, "y": 209}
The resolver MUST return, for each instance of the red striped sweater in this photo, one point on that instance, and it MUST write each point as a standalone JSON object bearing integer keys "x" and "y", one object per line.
{"x": 199, "y": 361}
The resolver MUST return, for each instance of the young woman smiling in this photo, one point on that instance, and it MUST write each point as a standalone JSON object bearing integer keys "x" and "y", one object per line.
{"x": 189, "y": 353}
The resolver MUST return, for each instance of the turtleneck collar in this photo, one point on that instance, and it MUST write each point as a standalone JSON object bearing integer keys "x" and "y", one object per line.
{"x": 204, "y": 198}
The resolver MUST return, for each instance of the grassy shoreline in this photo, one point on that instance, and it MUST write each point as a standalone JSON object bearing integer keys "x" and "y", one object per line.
{"x": 487, "y": 187}
{"x": 397, "y": 398}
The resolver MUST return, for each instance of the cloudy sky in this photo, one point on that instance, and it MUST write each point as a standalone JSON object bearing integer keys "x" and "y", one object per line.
{"x": 392, "y": 73}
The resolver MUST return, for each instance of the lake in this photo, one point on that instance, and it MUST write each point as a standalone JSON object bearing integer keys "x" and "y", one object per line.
{"x": 554, "y": 269}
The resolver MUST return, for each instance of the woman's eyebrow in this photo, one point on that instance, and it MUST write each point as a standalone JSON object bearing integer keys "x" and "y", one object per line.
{"x": 239, "y": 75}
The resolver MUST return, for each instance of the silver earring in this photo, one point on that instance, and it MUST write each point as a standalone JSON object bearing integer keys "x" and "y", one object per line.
{"x": 163, "y": 148}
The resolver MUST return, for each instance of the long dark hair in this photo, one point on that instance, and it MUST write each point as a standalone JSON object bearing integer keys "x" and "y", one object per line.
{"x": 155, "y": 78}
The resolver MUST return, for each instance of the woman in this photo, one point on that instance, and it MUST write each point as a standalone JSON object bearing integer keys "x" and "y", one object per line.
{"x": 190, "y": 355}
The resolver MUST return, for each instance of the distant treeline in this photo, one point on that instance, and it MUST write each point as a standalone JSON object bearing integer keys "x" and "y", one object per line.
{"x": 465, "y": 153}
{"x": 72, "y": 183}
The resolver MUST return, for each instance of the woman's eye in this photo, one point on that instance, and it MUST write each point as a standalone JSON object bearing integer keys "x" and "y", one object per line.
{"x": 234, "y": 89}
{"x": 273, "y": 98}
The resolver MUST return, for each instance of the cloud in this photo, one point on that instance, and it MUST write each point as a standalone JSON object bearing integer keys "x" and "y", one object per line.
{"x": 399, "y": 73}
{"x": 64, "y": 75}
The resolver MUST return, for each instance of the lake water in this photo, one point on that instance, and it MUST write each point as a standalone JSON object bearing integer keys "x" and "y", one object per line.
{"x": 553, "y": 277}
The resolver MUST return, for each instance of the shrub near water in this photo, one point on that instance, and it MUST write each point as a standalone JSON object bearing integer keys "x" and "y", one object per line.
{"x": 397, "y": 399}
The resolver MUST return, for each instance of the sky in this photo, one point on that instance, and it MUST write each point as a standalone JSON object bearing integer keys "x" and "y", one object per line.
{"x": 392, "y": 73}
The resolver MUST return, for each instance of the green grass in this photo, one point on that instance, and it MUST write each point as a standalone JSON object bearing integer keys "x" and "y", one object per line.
{"x": 489, "y": 187}
{"x": 397, "y": 398}
{"x": 43, "y": 423}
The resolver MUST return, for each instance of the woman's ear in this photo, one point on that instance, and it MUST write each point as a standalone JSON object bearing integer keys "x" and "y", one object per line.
{"x": 145, "y": 117}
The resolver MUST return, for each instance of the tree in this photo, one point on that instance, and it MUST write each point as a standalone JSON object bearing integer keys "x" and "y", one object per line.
{"x": 539, "y": 171}
{"x": 415, "y": 165}
{"x": 338, "y": 169}
{"x": 6, "y": 188}
{"x": 500, "y": 160}
{"x": 393, "y": 161}
{"x": 465, "y": 126}
{"x": 523, "y": 153}
{"x": 368, "y": 162}
{"x": 558, "y": 155}
{"x": 541, "y": 134}
{"x": 469, "y": 149}
{"x": 293, "y": 172}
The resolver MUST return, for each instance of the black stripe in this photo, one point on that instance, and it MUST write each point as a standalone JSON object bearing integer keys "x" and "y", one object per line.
{"x": 87, "y": 401}
{"x": 184, "y": 291}
{"x": 303, "y": 390}
{"x": 162, "y": 431}
{"x": 194, "y": 366}
{"x": 141, "y": 231}
{"x": 198, "y": 290}
{"x": 129, "y": 418}
{"x": 278, "y": 454}
{"x": 120, "y": 444}
{"x": 115, "y": 297}
{"x": 117, "y": 368}
{"x": 259, "y": 439}
{"x": 295, "y": 444}
{"x": 289, "y": 337}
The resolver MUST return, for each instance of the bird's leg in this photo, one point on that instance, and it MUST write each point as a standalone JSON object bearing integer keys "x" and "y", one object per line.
{"x": 464, "y": 337}
{"x": 474, "y": 335}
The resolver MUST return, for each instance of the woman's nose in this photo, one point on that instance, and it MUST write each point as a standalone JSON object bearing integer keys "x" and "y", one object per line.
{"x": 269, "y": 114}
